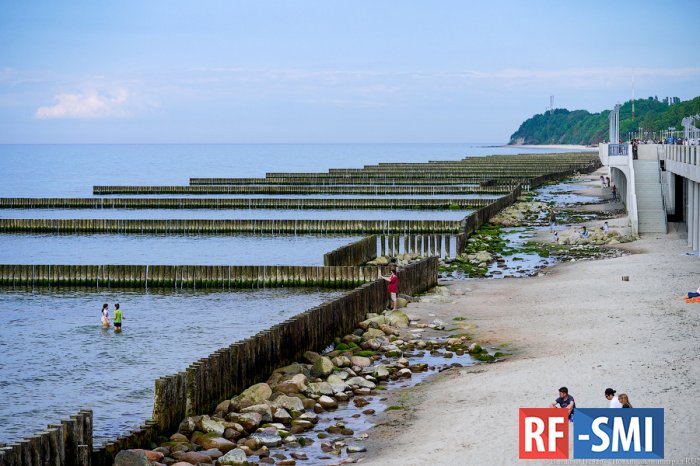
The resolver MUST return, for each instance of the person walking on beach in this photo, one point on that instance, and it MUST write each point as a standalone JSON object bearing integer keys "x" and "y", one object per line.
{"x": 392, "y": 287}
{"x": 117, "y": 318}
{"x": 624, "y": 401}
{"x": 607, "y": 181}
{"x": 105, "y": 315}
{"x": 584, "y": 233}
{"x": 552, "y": 219}
{"x": 614, "y": 193}
{"x": 565, "y": 401}
{"x": 602, "y": 181}
{"x": 605, "y": 227}
{"x": 613, "y": 402}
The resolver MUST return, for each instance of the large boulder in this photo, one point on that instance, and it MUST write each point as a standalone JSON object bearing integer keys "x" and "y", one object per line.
{"x": 397, "y": 319}
{"x": 372, "y": 333}
{"x": 210, "y": 442}
{"x": 206, "y": 425}
{"x": 320, "y": 388}
{"x": 268, "y": 439}
{"x": 288, "y": 402}
{"x": 235, "y": 457}
{"x": 131, "y": 458}
{"x": 249, "y": 421}
{"x": 360, "y": 361}
{"x": 191, "y": 457}
{"x": 295, "y": 384}
{"x": 360, "y": 382}
{"x": 254, "y": 395}
{"x": 322, "y": 367}
{"x": 262, "y": 409}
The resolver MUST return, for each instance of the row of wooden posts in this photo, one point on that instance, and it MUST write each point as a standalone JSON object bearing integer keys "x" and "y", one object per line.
{"x": 186, "y": 276}
{"x": 387, "y": 203}
{"x": 66, "y": 444}
{"x": 223, "y": 226}
{"x": 379, "y": 190}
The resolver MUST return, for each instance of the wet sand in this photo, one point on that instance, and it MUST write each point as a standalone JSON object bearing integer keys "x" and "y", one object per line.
{"x": 579, "y": 325}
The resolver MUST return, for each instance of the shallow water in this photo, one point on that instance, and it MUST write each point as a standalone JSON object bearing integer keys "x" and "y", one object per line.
{"x": 56, "y": 359}
{"x": 98, "y": 249}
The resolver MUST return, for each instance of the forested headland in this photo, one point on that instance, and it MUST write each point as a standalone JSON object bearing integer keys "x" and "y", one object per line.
{"x": 561, "y": 126}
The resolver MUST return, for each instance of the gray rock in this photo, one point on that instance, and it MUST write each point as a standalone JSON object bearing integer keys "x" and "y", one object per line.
{"x": 360, "y": 361}
{"x": 327, "y": 402}
{"x": 320, "y": 388}
{"x": 322, "y": 367}
{"x": 397, "y": 319}
{"x": 268, "y": 439}
{"x": 235, "y": 457}
{"x": 131, "y": 458}
{"x": 356, "y": 448}
{"x": 281, "y": 415}
{"x": 288, "y": 402}
{"x": 206, "y": 424}
{"x": 262, "y": 409}
{"x": 361, "y": 382}
{"x": 254, "y": 395}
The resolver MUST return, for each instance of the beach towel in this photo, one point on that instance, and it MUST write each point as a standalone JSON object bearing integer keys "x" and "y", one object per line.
{"x": 693, "y": 300}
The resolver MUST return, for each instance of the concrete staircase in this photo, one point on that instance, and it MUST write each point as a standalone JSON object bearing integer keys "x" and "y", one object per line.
{"x": 650, "y": 206}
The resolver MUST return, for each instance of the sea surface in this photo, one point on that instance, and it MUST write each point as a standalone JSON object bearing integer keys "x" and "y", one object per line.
{"x": 54, "y": 357}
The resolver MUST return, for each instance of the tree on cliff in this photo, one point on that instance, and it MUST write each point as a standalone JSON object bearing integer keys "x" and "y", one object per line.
{"x": 562, "y": 126}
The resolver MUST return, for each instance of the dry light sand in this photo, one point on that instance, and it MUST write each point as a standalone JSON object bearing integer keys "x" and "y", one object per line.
{"x": 579, "y": 325}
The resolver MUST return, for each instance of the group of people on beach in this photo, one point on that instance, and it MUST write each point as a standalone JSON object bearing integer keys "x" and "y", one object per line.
{"x": 605, "y": 183}
{"x": 567, "y": 401}
{"x": 118, "y": 316}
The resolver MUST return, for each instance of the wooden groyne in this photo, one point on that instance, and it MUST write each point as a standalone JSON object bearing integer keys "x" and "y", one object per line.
{"x": 356, "y": 253}
{"x": 66, "y": 444}
{"x": 241, "y": 203}
{"x": 227, "y": 227}
{"x": 379, "y": 190}
{"x": 230, "y": 370}
{"x": 219, "y": 277}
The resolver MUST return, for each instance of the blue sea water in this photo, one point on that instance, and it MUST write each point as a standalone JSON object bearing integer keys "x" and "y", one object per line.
{"x": 53, "y": 357}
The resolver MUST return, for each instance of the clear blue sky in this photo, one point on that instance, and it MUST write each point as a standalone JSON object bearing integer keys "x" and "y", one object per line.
{"x": 168, "y": 71}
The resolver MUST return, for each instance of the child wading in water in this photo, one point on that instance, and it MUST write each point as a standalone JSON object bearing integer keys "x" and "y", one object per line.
{"x": 105, "y": 315}
{"x": 117, "y": 318}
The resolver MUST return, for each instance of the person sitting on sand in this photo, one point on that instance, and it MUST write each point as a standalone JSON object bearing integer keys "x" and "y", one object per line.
{"x": 565, "y": 401}
{"x": 105, "y": 315}
{"x": 624, "y": 401}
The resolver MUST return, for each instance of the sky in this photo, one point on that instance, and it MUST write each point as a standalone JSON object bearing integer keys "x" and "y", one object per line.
{"x": 302, "y": 71}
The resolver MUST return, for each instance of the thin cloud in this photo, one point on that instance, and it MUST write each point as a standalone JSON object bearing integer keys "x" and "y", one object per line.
{"x": 90, "y": 105}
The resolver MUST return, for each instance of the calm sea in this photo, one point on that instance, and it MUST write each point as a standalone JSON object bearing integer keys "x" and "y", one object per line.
{"x": 54, "y": 359}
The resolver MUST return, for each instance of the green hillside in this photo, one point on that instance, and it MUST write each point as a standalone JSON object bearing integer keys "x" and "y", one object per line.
{"x": 562, "y": 126}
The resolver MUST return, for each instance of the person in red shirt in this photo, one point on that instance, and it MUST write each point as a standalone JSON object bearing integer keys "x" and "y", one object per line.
{"x": 392, "y": 287}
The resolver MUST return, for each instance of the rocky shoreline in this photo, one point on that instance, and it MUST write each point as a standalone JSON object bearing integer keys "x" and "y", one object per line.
{"x": 290, "y": 417}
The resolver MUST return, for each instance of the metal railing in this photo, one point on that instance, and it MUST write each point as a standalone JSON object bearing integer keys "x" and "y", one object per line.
{"x": 617, "y": 149}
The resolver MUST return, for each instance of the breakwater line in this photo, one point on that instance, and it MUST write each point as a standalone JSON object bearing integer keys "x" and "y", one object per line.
{"x": 222, "y": 227}
{"x": 239, "y": 203}
{"x": 230, "y": 370}
{"x": 377, "y": 190}
{"x": 179, "y": 277}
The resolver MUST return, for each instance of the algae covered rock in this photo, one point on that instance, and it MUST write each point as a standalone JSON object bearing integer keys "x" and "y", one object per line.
{"x": 235, "y": 457}
{"x": 322, "y": 367}
{"x": 254, "y": 395}
{"x": 397, "y": 319}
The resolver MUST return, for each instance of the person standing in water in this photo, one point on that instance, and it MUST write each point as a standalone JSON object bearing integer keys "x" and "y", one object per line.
{"x": 117, "y": 318}
{"x": 105, "y": 315}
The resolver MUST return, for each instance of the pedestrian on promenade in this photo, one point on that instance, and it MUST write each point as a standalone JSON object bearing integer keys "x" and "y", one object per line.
{"x": 624, "y": 401}
{"x": 105, "y": 315}
{"x": 392, "y": 287}
{"x": 117, "y": 318}
{"x": 614, "y": 193}
{"x": 552, "y": 218}
{"x": 613, "y": 402}
{"x": 565, "y": 401}
{"x": 607, "y": 181}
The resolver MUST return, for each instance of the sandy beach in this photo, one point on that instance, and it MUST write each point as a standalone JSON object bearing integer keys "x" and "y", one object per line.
{"x": 578, "y": 324}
